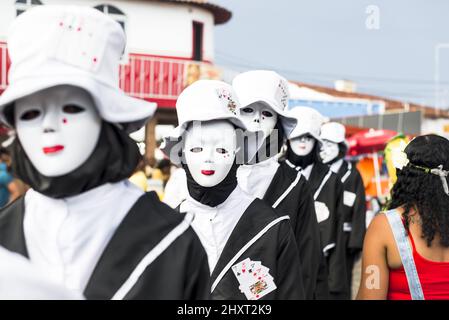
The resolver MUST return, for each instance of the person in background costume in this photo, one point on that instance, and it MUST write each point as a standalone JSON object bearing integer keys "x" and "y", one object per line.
{"x": 251, "y": 250}
{"x": 333, "y": 154}
{"x": 264, "y": 96}
{"x": 303, "y": 147}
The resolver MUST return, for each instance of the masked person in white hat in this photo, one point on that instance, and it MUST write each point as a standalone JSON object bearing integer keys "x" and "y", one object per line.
{"x": 303, "y": 147}
{"x": 251, "y": 250}
{"x": 263, "y": 96}
{"x": 82, "y": 221}
{"x": 333, "y": 153}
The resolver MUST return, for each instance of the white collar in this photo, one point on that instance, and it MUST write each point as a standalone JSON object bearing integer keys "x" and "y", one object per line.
{"x": 255, "y": 179}
{"x": 214, "y": 225}
{"x": 66, "y": 237}
{"x": 232, "y": 201}
{"x": 307, "y": 171}
{"x": 336, "y": 165}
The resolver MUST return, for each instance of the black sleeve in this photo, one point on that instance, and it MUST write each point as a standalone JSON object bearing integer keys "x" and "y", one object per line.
{"x": 307, "y": 236}
{"x": 358, "y": 220}
{"x": 322, "y": 285}
{"x": 338, "y": 285}
{"x": 288, "y": 278}
{"x": 197, "y": 284}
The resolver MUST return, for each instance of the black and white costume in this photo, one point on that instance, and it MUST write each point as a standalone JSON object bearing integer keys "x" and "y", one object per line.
{"x": 287, "y": 191}
{"x": 333, "y": 153}
{"x": 327, "y": 192}
{"x": 244, "y": 227}
{"x": 241, "y": 234}
{"x": 127, "y": 267}
{"x": 280, "y": 186}
{"x": 82, "y": 222}
{"x": 354, "y": 203}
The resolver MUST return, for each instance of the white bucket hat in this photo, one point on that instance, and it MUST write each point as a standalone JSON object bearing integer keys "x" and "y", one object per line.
{"x": 309, "y": 122}
{"x": 71, "y": 45}
{"x": 204, "y": 100}
{"x": 268, "y": 87}
{"x": 334, "y": 132}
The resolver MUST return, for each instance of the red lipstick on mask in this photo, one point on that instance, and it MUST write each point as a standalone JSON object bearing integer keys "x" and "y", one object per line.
{"x": 208, "y": 172}
{"x": 52, "y": 149}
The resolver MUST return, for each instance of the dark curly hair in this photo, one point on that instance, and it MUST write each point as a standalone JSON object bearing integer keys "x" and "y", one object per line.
{"x": 422, "y": 191}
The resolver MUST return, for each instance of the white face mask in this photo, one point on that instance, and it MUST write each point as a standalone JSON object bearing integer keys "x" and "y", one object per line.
{"x": 302, "y": 145}
{"x": 58, "y": 128}
{"x": 259, "y": 117}
{"x": 210, "y": 149}
{"x": 329, "y": 151}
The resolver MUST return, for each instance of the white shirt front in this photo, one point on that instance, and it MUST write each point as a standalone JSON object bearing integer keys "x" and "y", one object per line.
{"x": 20, "y": 280}
{"x": 214, "y": 225}
{"x": 255, "y": 179}
{"x": 66, "y": 237}
{"x": 307, "y": 171}
{"x": 336, "y": 165}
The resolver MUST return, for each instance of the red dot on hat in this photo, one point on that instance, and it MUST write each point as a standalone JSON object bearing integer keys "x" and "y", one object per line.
{"x": 61, "y": 23}
{"x": 79, "y": 29}
{"x": 64, "y": 120}
{"x": 95, "y": 59}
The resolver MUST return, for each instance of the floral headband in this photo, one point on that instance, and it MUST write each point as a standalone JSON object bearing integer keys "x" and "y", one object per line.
{"x": 400, "y": 161}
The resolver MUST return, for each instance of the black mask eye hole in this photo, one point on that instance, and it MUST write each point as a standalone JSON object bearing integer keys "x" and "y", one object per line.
{"x": 72, "y": 109}
{"x": 267, "y": 114}
{"x": 221, "y": 150}
{"x": 248, "y": 110}
{"x": 30, "y": 115}
{"x": 196, "y": 149}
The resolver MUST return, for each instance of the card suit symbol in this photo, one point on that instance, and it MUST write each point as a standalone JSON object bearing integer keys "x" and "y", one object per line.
{"x": 243, "y": 270}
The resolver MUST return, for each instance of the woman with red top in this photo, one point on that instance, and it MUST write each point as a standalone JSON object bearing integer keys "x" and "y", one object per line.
{"x": 406, "y": 249}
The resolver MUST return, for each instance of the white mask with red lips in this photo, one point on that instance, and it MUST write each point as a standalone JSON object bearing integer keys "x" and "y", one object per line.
{"x": 58, "y": 128}
{"x": 210, "y": 150}
{"x": 302, "y": 145}
{"x": 259, "y": 116}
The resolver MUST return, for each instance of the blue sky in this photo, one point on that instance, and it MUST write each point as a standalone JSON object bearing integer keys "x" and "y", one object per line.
{"x": 319, "y": 41}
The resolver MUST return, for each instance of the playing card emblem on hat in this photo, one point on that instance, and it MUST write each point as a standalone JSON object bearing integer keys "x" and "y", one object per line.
{"x": 225, "y": 95}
